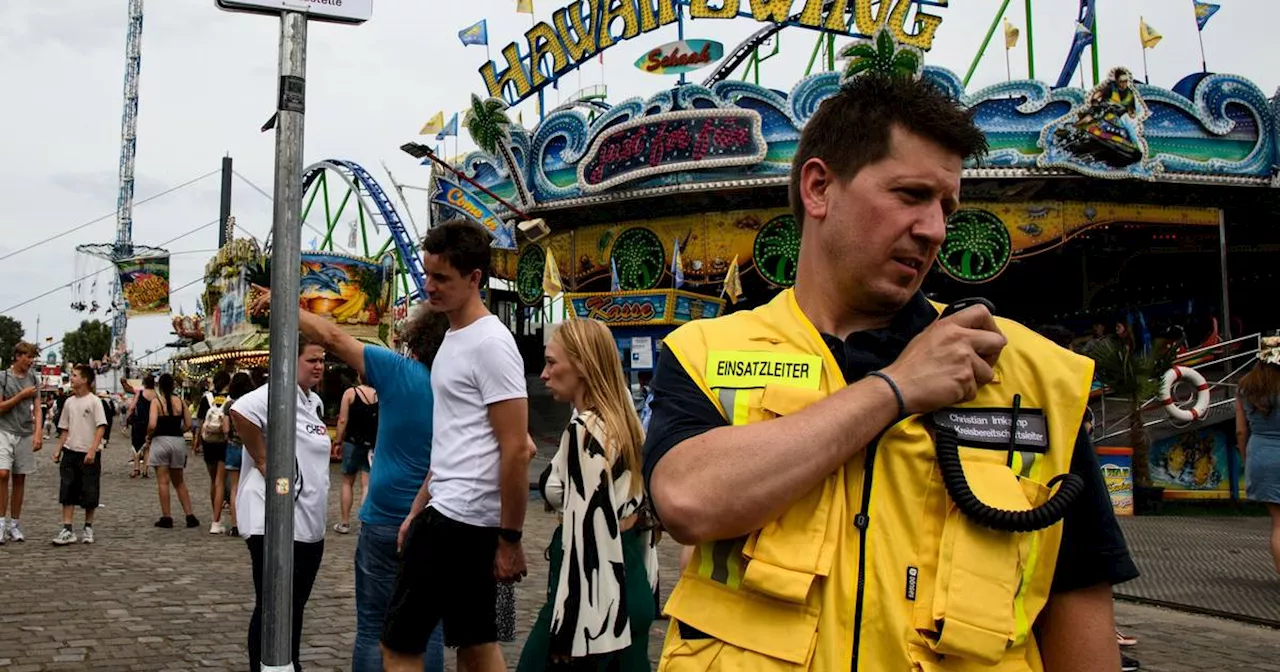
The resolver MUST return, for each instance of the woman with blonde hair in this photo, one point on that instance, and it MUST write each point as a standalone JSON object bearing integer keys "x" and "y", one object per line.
{"x": 603, "y": 579}
{"x": 1258, "y": 434}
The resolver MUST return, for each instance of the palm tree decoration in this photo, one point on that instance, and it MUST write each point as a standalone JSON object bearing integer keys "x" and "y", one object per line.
{"x": 1133, "y": 375}
{"x": 881, "y": 55}
{"x": 777, "y": 251}
{"x": 978, "y": 246}
{"x": 490, "y": 128}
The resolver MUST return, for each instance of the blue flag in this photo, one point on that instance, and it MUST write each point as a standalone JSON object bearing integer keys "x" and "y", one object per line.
{"x": 677, "y": 266}
{"x": 477, "y": 33}
{"x": 450, "y": 128}
{"x": 614, "y": 286}
{"x": 1204, "y": 12}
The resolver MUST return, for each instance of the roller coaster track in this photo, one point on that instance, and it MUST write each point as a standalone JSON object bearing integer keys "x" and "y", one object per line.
{"x": 378, "y": 206}
{"x": 748, "y": 46}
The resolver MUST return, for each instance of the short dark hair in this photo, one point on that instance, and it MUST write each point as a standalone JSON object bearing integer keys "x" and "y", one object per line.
{"x": 851, "y": 129}
{"x": 304, "y": 341}
{"x": 221, "y": 380}
{"x": 1057, "y": 333}
{"x": 149, "y": 381}
{"x": 241, "y": 384}
{"x": 24, "y": 348}
{"x": 463, "y": 244}
{"x": 424, "y": 333}
{"x": 87, "y": 373}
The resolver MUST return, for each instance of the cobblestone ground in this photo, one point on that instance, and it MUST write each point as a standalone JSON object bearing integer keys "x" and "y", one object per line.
{"x": 143, "y": 598}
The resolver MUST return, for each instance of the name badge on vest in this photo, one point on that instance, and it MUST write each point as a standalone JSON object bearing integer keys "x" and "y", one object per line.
{"x": 989, "y": 428}
{"x": 746, "y": 369}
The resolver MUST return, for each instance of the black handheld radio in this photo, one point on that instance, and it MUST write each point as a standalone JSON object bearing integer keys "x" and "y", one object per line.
{"x": 947, "y": 450}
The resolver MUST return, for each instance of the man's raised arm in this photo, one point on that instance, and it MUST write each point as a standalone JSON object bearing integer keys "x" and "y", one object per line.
{"x": 730, "y": 481}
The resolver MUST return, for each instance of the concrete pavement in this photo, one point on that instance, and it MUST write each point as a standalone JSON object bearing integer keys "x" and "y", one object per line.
{"x": 143, "y": 598}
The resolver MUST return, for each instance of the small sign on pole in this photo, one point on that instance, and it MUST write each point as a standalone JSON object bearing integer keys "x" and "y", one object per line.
{"x": 338, "y": 11}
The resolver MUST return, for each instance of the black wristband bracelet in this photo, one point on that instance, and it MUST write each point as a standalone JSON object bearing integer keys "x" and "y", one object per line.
{"x": 897, "y": 393}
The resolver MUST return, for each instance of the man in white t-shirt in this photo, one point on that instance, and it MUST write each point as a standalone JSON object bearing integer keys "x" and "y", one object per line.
{"x": 468, "y": 538}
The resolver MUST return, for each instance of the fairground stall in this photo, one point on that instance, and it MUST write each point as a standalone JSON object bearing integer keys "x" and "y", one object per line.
{"x": 1137, "y": 207}
{"x": 354, "y": 285}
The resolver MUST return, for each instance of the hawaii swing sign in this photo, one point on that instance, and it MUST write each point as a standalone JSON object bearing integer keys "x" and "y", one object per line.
{"x": 580, "y": 31}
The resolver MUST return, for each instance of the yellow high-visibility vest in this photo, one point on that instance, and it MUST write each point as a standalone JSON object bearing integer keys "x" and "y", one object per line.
{"x": 877, "y": 558}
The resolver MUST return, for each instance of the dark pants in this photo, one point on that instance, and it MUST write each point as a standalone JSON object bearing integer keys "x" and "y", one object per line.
{"x": 376, "y": 565}
{"x": 306, "y": 563}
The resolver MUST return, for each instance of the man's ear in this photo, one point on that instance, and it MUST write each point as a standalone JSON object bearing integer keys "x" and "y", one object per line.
{"x": 816, "y": 179}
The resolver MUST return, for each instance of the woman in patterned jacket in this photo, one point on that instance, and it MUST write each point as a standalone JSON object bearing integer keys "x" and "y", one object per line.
{"x": 603, "y": 580}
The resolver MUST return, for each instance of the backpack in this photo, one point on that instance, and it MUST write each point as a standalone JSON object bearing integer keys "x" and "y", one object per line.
{"x": 211, "y": 430}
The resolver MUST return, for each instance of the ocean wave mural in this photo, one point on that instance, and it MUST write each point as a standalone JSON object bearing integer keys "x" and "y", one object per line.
{"x": 1214, "y": 127}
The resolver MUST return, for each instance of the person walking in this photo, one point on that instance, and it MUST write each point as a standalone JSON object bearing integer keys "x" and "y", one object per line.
{"x": 1258, "y": 434}
{"x": 210, "y": 439}
{"x": 310, "y": 490}
{"x": 241, "y": 385}
{"x": 354, "y": 442}
{"x": 463, "y": 532}
{"x": 139, "y": 421}
{"x": 81, "y": 425}
{"x": 808, "y": 447}
{"x": 21, "y": 435}
{"x": 403, "y": 440}
{"x": 595, "y": 620}
{"x": 168, "y": 449}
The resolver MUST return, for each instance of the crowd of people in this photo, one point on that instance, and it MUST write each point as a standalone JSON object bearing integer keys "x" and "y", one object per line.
{"x": 805, "y": 453}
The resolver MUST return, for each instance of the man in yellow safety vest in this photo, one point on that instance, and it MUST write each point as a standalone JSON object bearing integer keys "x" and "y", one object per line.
{"x": 871, "y": 485}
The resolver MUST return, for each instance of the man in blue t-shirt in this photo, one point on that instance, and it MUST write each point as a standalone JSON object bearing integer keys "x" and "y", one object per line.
{"x": 402, "y": 458}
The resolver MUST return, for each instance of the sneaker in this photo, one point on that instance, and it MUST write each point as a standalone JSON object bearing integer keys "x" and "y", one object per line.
{"x": 342, "y": 528}
{"x": 1125, "y": 640}
{"x": 235, "y": 532}
{"x": 4, "y": 533}
{"x": 87, "y": 535}
{"x": 192, "y": 521}
{"x": 165, "y": 522}
{"x": 15, "y": 533}
{"x": 65, "y": 537}
{"x": 1128, "y": 664}
{"x": 216, "y": 528}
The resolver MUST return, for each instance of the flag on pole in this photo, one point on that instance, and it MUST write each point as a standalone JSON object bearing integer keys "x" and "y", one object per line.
{"x": 524, "y": 6}
{"x": 677, "y": 266}
{"x": 1150, "y": 38}
{"x": 449, "y": 129}
{"x": 1011, "y": 34}
{"x": 477, "y": 33}
{"x": 732, "y": 282}
{"x": 551, "y": 284}
{"x": 1204, "y": 12}
{"x": 614, "y": 285}
{"x": 434, "y": 125}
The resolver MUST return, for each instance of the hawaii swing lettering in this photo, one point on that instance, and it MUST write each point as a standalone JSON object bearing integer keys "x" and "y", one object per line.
{"x": 585, "y": 28}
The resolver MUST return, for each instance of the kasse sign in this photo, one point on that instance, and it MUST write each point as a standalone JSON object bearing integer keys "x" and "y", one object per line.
{"x": 338, "y": 11}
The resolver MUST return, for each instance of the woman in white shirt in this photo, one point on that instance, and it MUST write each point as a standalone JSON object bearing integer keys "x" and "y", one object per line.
{"x": 310, "y": 490}
{"x": 596, "y": 618}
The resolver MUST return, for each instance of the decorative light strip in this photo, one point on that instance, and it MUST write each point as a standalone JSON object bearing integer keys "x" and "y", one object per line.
{"x": 229, "y": 355}
{"x": 784, "y": 180}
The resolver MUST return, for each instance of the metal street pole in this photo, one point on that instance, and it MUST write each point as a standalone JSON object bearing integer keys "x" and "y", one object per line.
{"x": 1226, "y": 279}
{"x": 286, "y": 263}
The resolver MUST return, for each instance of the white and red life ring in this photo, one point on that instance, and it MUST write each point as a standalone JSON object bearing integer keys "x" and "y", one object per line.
{"x": 1201, "y": 405}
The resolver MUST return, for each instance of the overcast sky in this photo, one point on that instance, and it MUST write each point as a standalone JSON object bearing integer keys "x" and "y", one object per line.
{"x": 208, "y": 84}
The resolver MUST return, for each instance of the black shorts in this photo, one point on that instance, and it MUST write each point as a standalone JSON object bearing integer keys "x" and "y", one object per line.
{"x": 446, "y": 574}
{"x": 79, "y": 481}
{"x": 214, "y": 452}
